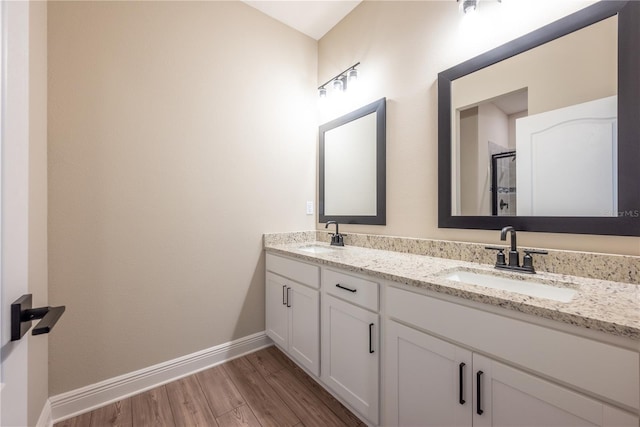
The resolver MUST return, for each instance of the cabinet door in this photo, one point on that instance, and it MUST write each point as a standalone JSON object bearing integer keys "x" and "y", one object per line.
{"x": 509, "y": 397}
{"x": 276, "y": 316}
{"x": 350, "y": 355}
{"x": 304, "y": 326}
{"x": 428, "y": 380}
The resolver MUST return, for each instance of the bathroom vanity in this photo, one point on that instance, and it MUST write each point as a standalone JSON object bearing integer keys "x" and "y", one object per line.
{"x": 399, "y": 342}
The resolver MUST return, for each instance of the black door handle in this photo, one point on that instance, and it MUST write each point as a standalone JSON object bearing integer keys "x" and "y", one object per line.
{"x": 370, "y": 338}
{"x": 288, "y": 299}
{"x": 479, "y": 410}
{"x": 284, "y": 301}
{"x": 460, "y": 374}
{"x": 22, "y": 314}
{"x": 338, "y": 285}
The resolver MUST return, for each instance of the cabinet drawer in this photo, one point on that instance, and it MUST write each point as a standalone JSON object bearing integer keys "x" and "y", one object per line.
{"x": 301, "y": 272}
{"x": 351, "y": 288}
{"x": 597, "y": 367}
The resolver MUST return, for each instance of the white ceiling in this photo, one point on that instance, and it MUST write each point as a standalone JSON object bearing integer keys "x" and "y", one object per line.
{"x": 511, "y": 103}
{"x": 311, "y": 17}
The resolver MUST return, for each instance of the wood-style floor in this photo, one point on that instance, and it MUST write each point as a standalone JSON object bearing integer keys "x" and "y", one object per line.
{"x": 264, "y": 388}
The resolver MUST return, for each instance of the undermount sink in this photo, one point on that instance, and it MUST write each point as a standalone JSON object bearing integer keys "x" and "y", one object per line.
{"x": 526, "y": 287}
{"x": 317, "y": 249}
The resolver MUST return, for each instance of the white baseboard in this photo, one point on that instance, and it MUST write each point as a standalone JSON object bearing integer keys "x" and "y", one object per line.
{"x": 46, "y": 417}
{"x": 88, "y": 398}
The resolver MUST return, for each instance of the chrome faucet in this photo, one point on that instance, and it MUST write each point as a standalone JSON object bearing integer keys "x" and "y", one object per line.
{"x": 514, "y": 256}
{"x": 337, "y": 239}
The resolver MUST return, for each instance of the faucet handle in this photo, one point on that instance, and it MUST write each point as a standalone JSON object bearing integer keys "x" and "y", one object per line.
{"x": 535, "y": 251}
{"x": 527, "y": 259}
{"x": 500, "y": 259}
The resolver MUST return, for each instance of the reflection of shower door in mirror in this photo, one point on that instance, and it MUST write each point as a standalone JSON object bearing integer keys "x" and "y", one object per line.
{"x": 567, "y": 162}
{"x": 503, "y": 183}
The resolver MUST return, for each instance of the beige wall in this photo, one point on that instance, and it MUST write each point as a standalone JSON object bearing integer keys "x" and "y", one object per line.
{"x": 579, "y": 67}
{"x": 402, "y": 47}
{"x": 38, "y": 367}
{"x": 468, "y": 154}
{"x": 179, "y": 132}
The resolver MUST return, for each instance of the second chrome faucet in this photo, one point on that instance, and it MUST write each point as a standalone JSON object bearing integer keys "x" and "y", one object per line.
{"x": 514, "y": 256}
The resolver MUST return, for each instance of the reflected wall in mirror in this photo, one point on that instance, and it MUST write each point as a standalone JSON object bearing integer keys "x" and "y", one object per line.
{"x": 561, "y": 104}
{"x": 489, "y": 107}
{"x": 352, "y": 178}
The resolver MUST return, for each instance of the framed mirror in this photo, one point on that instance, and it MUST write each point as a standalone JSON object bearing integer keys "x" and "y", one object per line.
{"x": 352, "y": 185}
{"x": 548, "y": 124}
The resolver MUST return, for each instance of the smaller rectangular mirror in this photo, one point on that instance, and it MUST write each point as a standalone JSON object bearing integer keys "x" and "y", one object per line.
{"x": 352, "y": 185}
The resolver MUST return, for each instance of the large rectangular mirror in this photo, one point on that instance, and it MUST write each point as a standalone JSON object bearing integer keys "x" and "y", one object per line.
{"x": 353, "y": 167}
{"x": 542, "y": 133}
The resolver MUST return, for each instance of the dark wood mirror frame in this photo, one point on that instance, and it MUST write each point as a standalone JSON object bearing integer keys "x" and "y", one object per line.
{"x": 628, "y": 221}
{"x": 379, "y": 108}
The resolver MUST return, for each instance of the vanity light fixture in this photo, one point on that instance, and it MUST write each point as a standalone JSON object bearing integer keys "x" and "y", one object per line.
{"x": 339, "y": 82}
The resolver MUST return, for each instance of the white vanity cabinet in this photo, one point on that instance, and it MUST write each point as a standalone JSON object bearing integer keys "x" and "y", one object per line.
{"x": 511, "y": 397}
{"x": 446, "y": 361}
{"x": 293, "y": 309}
{"x": 433, "y": 382}
{"x": 350, "y": 340}
{"x": 428, "y": 379}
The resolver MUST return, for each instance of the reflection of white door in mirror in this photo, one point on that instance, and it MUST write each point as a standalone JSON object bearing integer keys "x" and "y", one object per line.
{"x": 567, "y": 161}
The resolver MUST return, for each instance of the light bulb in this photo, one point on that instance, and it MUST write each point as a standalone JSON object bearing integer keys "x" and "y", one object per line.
{"x": 468, "y": 6}
{"x": 352, "y": 75}
{"x": 322, "y": 92}
{"x": 338, "y": 85}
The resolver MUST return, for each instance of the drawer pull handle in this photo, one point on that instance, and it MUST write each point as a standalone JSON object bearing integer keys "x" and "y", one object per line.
{"x": 338, "y": 285}
{"x": 461, "y": 373}
{"x": 479, "y": 410}
{"x": 370, "y": 338}
{"x": 288, "y": 299}
{"x": 284, "y": 300}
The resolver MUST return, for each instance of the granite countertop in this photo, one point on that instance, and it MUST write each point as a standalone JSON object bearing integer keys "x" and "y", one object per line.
{"x": 605, "y": 306}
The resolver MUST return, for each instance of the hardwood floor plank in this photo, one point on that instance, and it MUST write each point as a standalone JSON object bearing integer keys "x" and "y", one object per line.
{"x": 347, "y": 417}
{"x": 79, "y": 421}
{"x": 117, "y": 414}
{"x": 188, "y": 403}
{"x": 241, "y": 416}
{"x": 240, "y": 387}
{"x": 282, "y": 358}
{"x": 302, "y": 401}
{"x": 221, "y": 393}
{"x": 152, "y": 408}
{"x": 264, "y": 362}
{"x": 268, "y": 408}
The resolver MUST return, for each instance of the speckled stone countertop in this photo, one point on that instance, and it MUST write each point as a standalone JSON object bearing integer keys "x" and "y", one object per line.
{"x": 606, "y": 306}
